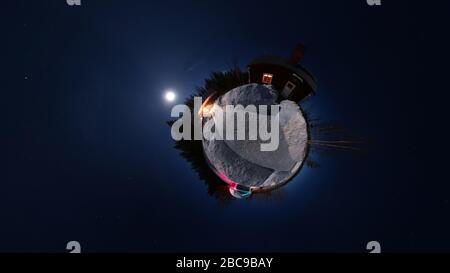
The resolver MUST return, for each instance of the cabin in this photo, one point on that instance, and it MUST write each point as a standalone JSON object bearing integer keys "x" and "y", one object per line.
{"x": 287, "y": 76}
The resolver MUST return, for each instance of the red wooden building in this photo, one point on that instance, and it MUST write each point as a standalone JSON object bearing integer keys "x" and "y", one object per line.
{"x": 287, "y": 76}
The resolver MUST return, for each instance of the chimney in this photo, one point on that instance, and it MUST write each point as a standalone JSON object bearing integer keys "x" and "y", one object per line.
{"x": 297, "y": 54}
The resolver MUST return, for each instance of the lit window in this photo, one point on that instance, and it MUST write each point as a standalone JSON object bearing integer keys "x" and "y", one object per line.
{"x": 267, "y": 78}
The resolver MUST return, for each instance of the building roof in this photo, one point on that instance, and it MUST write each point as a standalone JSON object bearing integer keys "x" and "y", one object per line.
{"x": 297, "y": 69}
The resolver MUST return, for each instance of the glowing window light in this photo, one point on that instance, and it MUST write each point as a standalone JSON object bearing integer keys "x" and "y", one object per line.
{"x": 267, "y": 78}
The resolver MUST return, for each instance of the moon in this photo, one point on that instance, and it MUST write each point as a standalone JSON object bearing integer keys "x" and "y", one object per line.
{"x": 170, "y": 96}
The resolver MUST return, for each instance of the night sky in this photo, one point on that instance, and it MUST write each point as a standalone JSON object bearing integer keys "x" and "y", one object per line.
{"x": 87, "y": 154}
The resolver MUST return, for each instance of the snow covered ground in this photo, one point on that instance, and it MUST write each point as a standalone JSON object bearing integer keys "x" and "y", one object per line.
{"x": 242, "y": 161}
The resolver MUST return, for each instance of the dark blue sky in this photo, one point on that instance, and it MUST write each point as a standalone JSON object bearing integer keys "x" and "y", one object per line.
{"x": 89, "y": 156}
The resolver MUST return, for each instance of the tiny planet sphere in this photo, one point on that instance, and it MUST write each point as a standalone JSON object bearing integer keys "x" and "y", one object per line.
{"x": 241, "y": 163}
